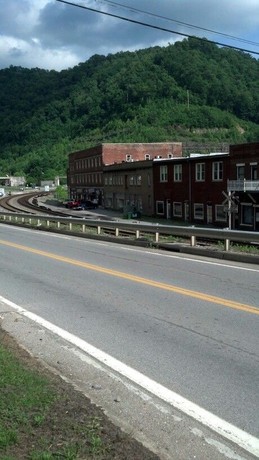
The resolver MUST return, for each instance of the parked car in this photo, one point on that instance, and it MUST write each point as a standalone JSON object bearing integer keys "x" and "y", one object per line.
{"x": 87, "y": 204}
{"x": 73, "y": 204}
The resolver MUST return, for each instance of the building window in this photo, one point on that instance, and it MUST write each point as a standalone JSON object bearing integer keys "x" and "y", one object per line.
{"x": 110, "y": 180}
{"x": 138, "y": 180}
{"x": 241, "y": 171}
{"x": 217, "y": 170}
{"x": 200, "y": 172}
{"x": 220, "y": 213}
{"x": 178, "y": 173}
{"x": 148, "y": 180}
{"x": 169, "y": 155}
{"x": 163, "y": 173}
{"x": 128, "y": 158}
{"x": 247, "y": 215}
{"x": 147, "y": 156}
{"x": 253, "y": 169}
{"x": 198, "y": 211}
{"x": 160, "y": 208}
{"x": 177, "y": 209}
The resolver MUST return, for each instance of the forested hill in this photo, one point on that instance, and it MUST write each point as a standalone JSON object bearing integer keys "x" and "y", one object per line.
{"x": 192, "y": 91}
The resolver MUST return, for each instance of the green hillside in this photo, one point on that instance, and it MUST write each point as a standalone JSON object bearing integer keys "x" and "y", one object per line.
{"x": 192, "y": 92}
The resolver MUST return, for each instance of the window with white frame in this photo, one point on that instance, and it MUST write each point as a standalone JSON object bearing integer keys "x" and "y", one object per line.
{"x": 128, "y": 157}
{"x": 163, "y": 173}
{"x": 217, "y": 170}
{"x": 200, "y": 172}
{"x": 160, "y": 208}
{"x": 178, "y": 173}
{"x": 177, "y": 209}
{"x": 198, "y": 209}
{"x": 138, "y": 180}
{"x": 220, "y": 213}
{"x": 147, "y": 156}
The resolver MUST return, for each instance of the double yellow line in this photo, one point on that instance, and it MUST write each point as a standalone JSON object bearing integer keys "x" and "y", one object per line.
{"x": 139, "y": 279}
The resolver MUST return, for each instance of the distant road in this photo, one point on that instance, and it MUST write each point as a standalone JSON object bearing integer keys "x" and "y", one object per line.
{"x": 188, "y": 323}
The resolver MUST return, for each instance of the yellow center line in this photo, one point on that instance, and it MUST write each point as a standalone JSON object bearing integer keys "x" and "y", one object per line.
{"x": 139, "y": 279}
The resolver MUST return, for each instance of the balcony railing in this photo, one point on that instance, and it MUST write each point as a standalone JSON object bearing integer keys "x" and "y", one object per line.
{"x": 243, "y": 185}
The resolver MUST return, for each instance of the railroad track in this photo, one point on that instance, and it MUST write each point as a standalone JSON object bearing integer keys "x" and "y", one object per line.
{"x": 28, "y": 203}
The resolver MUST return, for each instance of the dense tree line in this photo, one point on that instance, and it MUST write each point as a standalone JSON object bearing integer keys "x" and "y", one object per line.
{"x": 192, "y": 91}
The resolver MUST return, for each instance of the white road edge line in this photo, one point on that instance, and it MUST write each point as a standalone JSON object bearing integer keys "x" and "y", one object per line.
{"x": 244, "y": 440}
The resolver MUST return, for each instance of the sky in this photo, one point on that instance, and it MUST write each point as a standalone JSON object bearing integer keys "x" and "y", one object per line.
{"x": 50, "y": 34}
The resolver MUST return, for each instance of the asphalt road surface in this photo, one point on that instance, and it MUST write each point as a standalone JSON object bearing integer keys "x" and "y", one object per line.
{"x": 187, "y": 323}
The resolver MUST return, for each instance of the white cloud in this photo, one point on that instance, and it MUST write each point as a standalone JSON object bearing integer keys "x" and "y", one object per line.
{"x": 31, "y": 54}
{"x": 50, "y": 34}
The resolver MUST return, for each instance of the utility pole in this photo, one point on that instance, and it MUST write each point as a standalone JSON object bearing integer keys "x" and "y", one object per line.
{"x": 188, "y": 99}
{"x": 229, "y": 209}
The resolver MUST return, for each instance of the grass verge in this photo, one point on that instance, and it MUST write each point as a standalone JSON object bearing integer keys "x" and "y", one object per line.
{"x": 44, "y": 418}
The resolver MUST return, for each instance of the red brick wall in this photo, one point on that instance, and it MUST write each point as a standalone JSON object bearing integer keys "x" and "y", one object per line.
{"x": 116, "y": 153}
{"x": 243, "y": 153}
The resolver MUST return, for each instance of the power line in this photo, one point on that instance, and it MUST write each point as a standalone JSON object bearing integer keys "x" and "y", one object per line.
{"x": 136, "y": 10}
{"x": 123, "y": 18}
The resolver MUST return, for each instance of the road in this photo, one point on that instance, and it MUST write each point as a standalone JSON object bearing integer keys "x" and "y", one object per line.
{"x": 187, "y": 323}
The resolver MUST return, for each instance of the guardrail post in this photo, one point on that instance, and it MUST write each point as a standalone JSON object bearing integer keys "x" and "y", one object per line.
{"x": 98, "y": 230}
{"x": 38, "y": 222}
{"x": 47, "y": 223}
{"x": 137, "y": 234}
{"x": 83, "y": 228}
{"x": 116, "y": 231}
{"x": 23, "y": 219}
{"x": 70, "y": 226}
{"x": 227, "y": 244}
{"x": 58, "y": 224}
{"x": 193, "y": 240}
{"x": 156, "y": 237}
{"x": 10, "y": 218}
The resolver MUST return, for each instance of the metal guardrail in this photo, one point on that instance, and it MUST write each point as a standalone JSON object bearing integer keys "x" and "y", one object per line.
{"x": 138, "y": 229}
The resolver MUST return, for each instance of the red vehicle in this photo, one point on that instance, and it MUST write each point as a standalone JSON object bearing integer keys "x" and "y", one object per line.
{"x": 73, "y": 204}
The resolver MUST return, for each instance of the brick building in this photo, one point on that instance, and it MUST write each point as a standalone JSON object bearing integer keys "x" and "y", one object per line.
{"x": 157, "y": 180}
{"x": 244, "y": 183}
{"x": 194, "y": 189}
{"x": 190, "y": 189}
{"x": 85, "y": 169}
{"x": 128, "y": 187}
